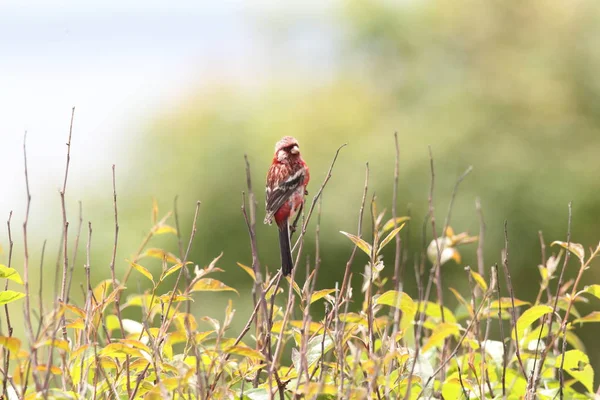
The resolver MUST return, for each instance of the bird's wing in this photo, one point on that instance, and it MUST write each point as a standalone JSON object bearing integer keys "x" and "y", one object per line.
{"x": 278, "y": 195}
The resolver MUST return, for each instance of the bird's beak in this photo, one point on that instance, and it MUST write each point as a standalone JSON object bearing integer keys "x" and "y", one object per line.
{"x": 295, "y": 150}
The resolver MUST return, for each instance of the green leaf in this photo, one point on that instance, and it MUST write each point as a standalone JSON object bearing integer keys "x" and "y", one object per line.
{"x": 389, "y": 237}
{"x": 142, "y": 270}
{"x": 364, "y": 246}
{"x": 529, "y": 317}
{"x": 10, "y": 273}
{"x": 390, "y": 224}
{"x": 574, "y": 248}
{"x": 577, "y": 364}
{"x": 319, "y": 294}
{"x": 8, "y": 296}
{"x": 593, "y": 290}
{"x": 258, "y": 394}
{"x": 211, "y": 285}
{"x": 318, "y": 346}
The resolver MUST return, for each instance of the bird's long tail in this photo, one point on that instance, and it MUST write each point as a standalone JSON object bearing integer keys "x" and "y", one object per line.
{"x": 286, "y": 252}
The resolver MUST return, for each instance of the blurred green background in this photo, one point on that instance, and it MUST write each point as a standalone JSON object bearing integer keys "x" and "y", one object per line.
{"x": 509, "y": 88}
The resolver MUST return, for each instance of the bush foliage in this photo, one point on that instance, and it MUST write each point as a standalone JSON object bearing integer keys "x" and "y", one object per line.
{"x": 380, "y": 343}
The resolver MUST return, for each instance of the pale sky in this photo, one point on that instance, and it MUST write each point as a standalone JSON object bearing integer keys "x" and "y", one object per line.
{"x": 118, "y": 63}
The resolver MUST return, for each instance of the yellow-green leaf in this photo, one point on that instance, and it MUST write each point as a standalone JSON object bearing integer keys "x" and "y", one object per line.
{"x": 8, "y": 296}
{"x": 10, "y": 273}
{"x": 161, "y": 254}
{"x": 480, "y": 281}
{"x": 402, "y": 301}
{"x": 390, "y": 224}
{"x": 433, "y": 310}
{"x": 592, "y": 317}
{"x": 245, "y": 352}
{"x": 577, "y": 364}
{"x": 389, "y": 237}
{"x": 171, "y": 270}
{"x": 57, "y": 343}
{"x": 593, "y": 290}
{"x": 142, "y": 270}
{"x": 11, "y": 343}
{"x": 77, "y": 324}
{"x": 439, "y": 334}
{"x": 294, "y": 285}
{"x": 248, "y": 270}
{"x": 118, "y": 350}
{"x": 529, "y": 317}
{"x": 574, "y": 248}
{"x": 210, "y": 285}
{"x": 165, "y": 229}
{"x": 364, "y": 246}
{"x": 506, "y": 302}
{"x": 319, "y": 294}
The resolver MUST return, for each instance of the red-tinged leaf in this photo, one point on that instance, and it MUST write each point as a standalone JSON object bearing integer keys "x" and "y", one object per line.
{"x": 248, "y": 270}
{"x": 364, "y": 246}
{"x": 211, "y": 285}
{"x": 8, "y": 296}
{"x": 11, "y": 343}
{"x": 10, "y": 273}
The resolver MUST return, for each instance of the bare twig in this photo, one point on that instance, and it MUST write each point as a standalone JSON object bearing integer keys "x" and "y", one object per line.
{"x": 346, "y": 279}
{"x": 512, "y": 298}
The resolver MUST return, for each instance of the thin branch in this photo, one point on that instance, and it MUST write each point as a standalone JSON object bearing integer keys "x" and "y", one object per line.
{"x": 346, "y": 279}
{"x": 512, "y": 298}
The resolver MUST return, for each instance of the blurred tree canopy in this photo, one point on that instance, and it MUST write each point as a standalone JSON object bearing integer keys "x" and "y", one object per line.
{"x": 508, "y": 88}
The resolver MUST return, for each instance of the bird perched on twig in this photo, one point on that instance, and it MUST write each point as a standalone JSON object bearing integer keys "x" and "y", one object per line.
{"x": 286, "y": 187}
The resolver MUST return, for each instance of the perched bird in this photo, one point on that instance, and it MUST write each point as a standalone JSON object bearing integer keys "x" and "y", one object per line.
{"x": 286, "y": 187}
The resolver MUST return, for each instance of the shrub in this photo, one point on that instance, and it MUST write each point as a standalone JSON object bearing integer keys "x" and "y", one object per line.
{"x": 394, "y": 346}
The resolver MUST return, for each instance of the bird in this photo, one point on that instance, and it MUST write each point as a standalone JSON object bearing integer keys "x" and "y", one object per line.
{"x": 287, "y": 179}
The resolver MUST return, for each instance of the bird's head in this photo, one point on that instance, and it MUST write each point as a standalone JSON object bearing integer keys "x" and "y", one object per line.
{"x": 287, "y": 149}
